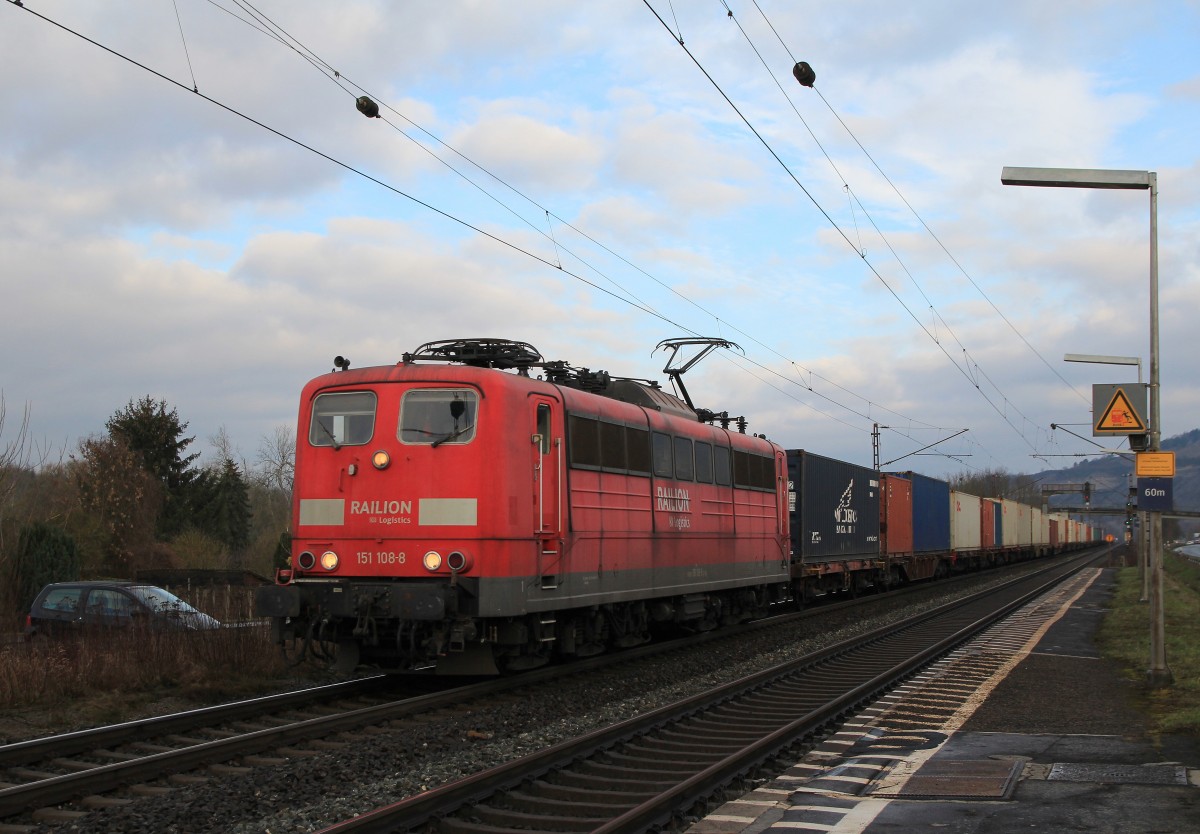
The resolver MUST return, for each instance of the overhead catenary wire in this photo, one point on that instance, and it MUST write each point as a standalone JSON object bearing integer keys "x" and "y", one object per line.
{"x": 971, "y": 366}
{"x": 963, "y": 369}
{"x": 958, "y": 265}
{"x": 263, "y": 23}
{"x": 920, "y": 219}
{"x": 266, "y": 28}
{"x": 183, "y": 38}
{"x": 352, "y": 169}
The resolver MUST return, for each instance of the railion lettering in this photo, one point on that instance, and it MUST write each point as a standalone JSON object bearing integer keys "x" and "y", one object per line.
{"x": 672, "y": 500}
{"x": 381, "y": 507}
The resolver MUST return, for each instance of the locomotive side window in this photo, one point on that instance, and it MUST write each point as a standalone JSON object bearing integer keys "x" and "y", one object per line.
{"x": 584, "y": 440}
{"x": 721, "y": 466}
{"x": 612, "y": 447}
{"x": 637, "y": 447}
{"x": 342, "y": 419}
{"x": 435, "y": 416}
{"x": 663, "y": 465}
{"x": 684, "y": 469}
{"x": 766, "y": 473}
{"x": 704, "y": 463}
{"x": 741, "y": 469}
{"x": 753, "y": 471}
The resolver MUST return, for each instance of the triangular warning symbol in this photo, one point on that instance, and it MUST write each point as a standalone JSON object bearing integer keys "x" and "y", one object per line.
{"x": 1121, "y": 416}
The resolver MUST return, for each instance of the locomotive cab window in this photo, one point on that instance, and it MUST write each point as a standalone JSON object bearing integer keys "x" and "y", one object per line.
{"x": 543, "y": 428}
{"x": 434, "y": 416}
{"x": 342, "y": 419}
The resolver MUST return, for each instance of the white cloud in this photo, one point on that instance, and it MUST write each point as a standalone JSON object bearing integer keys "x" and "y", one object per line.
{"x": 151, "y": 242}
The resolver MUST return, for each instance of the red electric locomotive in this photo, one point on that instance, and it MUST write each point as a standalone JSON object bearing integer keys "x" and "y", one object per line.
{"x": 453, "y": 510}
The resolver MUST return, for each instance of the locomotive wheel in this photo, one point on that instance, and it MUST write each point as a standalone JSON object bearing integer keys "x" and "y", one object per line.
{"x": 525, "y": 662}
{"x": 292, "y": 650}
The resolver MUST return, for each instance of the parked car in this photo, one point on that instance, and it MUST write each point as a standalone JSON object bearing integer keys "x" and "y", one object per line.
{"x": 66, "y": 608}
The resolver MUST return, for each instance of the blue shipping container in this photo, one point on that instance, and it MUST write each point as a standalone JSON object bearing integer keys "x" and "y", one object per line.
{"x": 931, "y": 513}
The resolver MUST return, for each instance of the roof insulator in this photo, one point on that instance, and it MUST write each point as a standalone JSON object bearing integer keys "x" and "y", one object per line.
{"x": 804, "y": 74}
{"x": 370, "y": 109}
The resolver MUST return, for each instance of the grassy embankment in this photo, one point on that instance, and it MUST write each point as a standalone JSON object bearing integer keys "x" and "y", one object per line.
{"x": 1125, "y": 637}
{"x": 103, "y": 678}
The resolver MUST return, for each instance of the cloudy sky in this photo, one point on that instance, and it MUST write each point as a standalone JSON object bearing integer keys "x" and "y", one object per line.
{"x": 192, "y": 208}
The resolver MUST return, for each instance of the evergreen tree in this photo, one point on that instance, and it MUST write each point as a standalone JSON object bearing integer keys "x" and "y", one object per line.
{"x": 225, "y": 512}
{"x": 282, "y": 557}
{"x": 149, "y": 430}
{"x": 45, "y": 554}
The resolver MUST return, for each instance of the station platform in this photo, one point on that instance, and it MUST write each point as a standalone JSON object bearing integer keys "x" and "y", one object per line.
{"x": 1025, "y": 728}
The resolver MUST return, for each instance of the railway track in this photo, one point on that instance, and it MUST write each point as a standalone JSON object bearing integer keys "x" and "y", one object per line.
{"x": 642, "y": 773}
{"x": 47, "y": 771}
{"x": 112, "y": 766}
{"x": 81, "y": 768}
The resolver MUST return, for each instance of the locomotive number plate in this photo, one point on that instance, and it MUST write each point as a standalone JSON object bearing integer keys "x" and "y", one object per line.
{"x": 380, "y": 557}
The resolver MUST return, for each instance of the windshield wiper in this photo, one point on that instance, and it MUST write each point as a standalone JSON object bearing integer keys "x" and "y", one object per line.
{"x": 451, "y": 436}
{"x": 333, "y": 440}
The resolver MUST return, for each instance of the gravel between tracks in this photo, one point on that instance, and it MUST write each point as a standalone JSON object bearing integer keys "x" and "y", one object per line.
{"x": 378, "y": 768}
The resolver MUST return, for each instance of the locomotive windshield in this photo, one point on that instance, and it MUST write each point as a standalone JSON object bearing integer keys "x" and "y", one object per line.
{"x": 438, "y": 415}
{"x": 342, "y": 419}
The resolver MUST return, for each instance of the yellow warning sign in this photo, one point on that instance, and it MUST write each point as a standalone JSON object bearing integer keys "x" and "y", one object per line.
{"x": 1155, "y": 465}
{"x": 1120, "y": 417}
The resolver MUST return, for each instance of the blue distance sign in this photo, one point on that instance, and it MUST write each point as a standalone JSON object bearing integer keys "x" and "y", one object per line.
{"x": 1155, "y": 494}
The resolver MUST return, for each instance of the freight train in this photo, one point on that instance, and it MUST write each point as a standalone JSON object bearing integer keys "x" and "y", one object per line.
{"x": 476, "y": 508}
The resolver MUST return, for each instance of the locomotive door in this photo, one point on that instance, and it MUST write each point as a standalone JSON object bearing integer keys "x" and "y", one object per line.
{"x": 547, "y": 445}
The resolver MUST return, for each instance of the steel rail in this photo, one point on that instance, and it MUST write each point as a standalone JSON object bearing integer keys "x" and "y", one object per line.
{"x": 433, "y": 810}
{"x": 64, "y": 744}
{"x": 64, "y": 788}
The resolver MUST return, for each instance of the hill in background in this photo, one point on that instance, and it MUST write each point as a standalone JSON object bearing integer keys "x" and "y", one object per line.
{"x": 1112, "y": 475}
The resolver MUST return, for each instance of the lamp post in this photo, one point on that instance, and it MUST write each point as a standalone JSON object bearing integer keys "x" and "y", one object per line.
{"x": 1158, "y": 673}
{"x": 1106, "y": 360}
{"x": 1143, "y": 526}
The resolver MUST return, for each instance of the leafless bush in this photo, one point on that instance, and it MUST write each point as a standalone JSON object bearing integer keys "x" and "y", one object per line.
{"x": 229, "y": 604}
{"x": 204, "y": 665}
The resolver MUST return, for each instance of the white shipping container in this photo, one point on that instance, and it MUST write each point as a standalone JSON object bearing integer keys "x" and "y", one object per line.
{"x": 1018, "y": 531}
{"x": 1040, "y": 527}
{"x": 964, "y": 522}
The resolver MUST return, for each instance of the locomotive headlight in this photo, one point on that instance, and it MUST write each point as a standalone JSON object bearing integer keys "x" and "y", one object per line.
{"x": 329, "y": 560}
{"x": 306, "y": 560}
{"x": 381, "y": 459}
{"x": 432, "y": 560}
